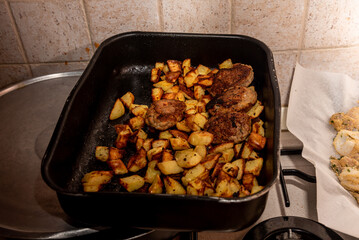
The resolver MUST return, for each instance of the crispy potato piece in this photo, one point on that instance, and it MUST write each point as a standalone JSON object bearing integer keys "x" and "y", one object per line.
{"x": 226, "y": 64}
{"x": 257, "y": 127}
{"x": 186, "y": 70}
{"x": 187, "y": 158}
{"x": 179, "y": 143}
{"x": 191, "y": 111}
{"x": 172, "y": 76}
{"x": 199, "y": 92}
{"x": 182, "y": 126}
{"x": 202, "y": 150}
{"x": 117, "y": 111}
{"x": 174, "y": 65}
{"x": 256, "y": 110}
{"x": 211, "y": 160}
{"x": 246, "y": 151}
{"x": 165, "y": 69}
{"x": 164, "y": 85}
{"x": 169, "y": 167}
{"x": 123, "y": 136}
{"x": 247, "y": 181}
{"x": 231, "y": 169}
{"x": 157, "y": 185}
{"x": 128, "y": 99}
{"x": 167, "y": 156}
{"x": 217, "y": 169}
{"x": 206, "y": 82}
{"x": 155, "y": 74}
{"x": 240, "y": 163}
{"x": 151, "y": 171}
{"x": 156, "y": 94}
{"x": 178, "y": 134}
{"x": 191, "y": 124}
{"x": 159, "y": 65}
{"x": 169, "y": 96}
{"x": 180, "y": 96}
{"x": 172, "y": 186}
{"x": 200, "y": 138}
{"x": 227, "y": 155}
{"x": 174, "y": 89}
{"x": 163, "y": 143}
{"x": 256, "y": 189}
{"x": 117, "y": 166}
{"x": 254, "y": 166}
{"x": 147, "y": 144}
{"x": 186, "y": 63}
{"x": 237, "y": 149}
{"x": 152, "y": 152}
{"x": 137, "y": 123}
{"x": 193, "y": 173}
{"x": 221, "y": 147}
{"x": 191, "y": 78}
{"x": 132, "y": 183}
{"x": 115, "y": 153}
{"x": 187, "y": 92}
{"x": 140, "y": 110}
{"x": 203, "y": 70}
{"x": 165, "y": 135}
{"x": 102, "y": 153}
{"x": 256, "y": 141}
{"x": 137, "y": 161}
{"x": 93, "y": 181}
{"x": 191, "y": 104}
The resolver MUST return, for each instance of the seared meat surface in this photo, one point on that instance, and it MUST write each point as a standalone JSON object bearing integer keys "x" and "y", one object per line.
{"x": 239, "y": 75}
{"x": 235, "y": 99}
{"x": 165, "y": 113}
{"x": 229, "y": 127}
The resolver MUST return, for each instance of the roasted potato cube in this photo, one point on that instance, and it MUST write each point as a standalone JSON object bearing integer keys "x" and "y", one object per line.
{"x": 187, "y": 92}
{"x": 234, "y": 187}
{"x": 240, "y": 163}
{"x": 191, "y": 111}
{"x": 200, "y": 120}
{"x": 187, "y": 158}
{"x": 180, "y": 96}
{"x": 198, "y": 92}
{"x": 179, "y": 143}
{"x": 155, "y": 74}
{"x": 139, "y": 143}
{"x": 159, "y": 65}
{"x": 117, "y": 166}
{"x": 257, "y": 127}
{"x": 192, "y": 125}
{"x": 165, "y": 135}
{"x": 182, "y": 126}
{"x": 172, "y": 76}
{"x": 231, "y": 169}
{"x": 202, "y": 150}
{"x": 167, "y": 156}
{"x": 254, "y": 166}
{"x": 102, "y": 153}
{"x": 222, "y": 189}
{"x": 186, "y": 63}
{"x": 191, "y": 104}
{"x": 178, "y": 134}
{"x": 211, "y": 160}
{"x": 118, "y": 110}
{"x": 196, "y": 187}
{"x": 256, "y": 141}
{"x": 172, "y": 186}
{"x": 165, "y": 69}
{"x": 152, "y": 152}
{"x": 200, "y": 138}
{"x": 227, "y": 155}
{"x": 174, "y": 65}
{"x": 206, "y": 82}
{"x": 237, "y": 150}
{"x": 156, "y": 94}
{"x": 137, "y": 161}
{"x": 174, "y": 89}
{"x": 256, "y": 110}
{"x": 214, "y": 71}
{"x": 137, "y": 123}
{"x": 93, "y": 181}
{"x": 169, "y": 96}
{"x": 151, "y": 171}
{"x": 217, "y": 169}
{"x": 147, "y": 144}
{"x": 246, "y": 151}
{"x": 193, "y": 173}
{"x": 123, "y": 138}
{"x": 132, "y": 183}
{"x": 140, "y": 111}
{"x": 157, "y": 185}
{"x": 169, "y": 167}
{"x": 191, "y": 78}
{"x": 163, "y": 143}
{"x": 226, "y": 64}
{"x": 141, "y": 134}
{"x": 164, "y": 85}
{"x": 256, "y": 189}
{"x": 128, "y": 99}
{"x": 221, "y": 147}
{"x": 247, "y": 181}
{"x": 201, "y": 108}
{"x": 203, "y": 70}
{"x": 115, "y": 153}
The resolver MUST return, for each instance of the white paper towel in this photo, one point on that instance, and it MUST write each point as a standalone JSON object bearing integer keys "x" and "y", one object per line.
{"x": 315, "y": 96}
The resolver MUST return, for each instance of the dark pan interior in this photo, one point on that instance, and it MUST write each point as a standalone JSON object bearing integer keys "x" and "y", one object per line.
{"x": 123, "y": 63}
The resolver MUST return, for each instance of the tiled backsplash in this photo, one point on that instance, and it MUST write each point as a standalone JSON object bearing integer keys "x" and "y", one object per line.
{"x": 39, "y": 37}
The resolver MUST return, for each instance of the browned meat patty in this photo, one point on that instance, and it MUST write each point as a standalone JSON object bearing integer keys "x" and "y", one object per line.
{"x": 235, "y": 99}
{"x": 165, "y": 113}
{"x": 240, "y": 74}
{"x": 229, "y": 127}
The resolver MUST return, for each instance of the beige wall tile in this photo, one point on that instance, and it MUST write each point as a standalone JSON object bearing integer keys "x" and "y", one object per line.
{"x": 284, "y": 65}
{"x": 108, "y": 18}
{"x": 197, "y": 16}
{"x": 50, "y": 68}
{"x": 345, "y": 60}
{"x": 332, "y": 23}
{"x": 9, "y": 48}
{"x": 10, "y": 74}
{"x": 52, "y": 30}
{"x": 276, "y": 23}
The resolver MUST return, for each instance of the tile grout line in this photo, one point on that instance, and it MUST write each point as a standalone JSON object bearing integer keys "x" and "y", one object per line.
{"x": 89, "y": 32}
{"x": 160, "y": 14}
{"x": 18, "y": 37}
{"x": 304, "y": 25}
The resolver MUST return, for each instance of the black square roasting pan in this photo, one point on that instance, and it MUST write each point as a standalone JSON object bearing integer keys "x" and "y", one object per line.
{"x": 123, "y": 63}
